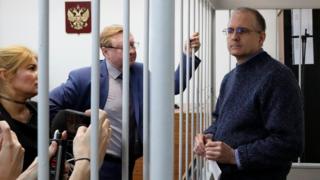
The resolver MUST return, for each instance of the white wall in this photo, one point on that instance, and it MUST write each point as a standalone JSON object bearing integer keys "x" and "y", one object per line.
{"x": 18, "y": 19}
{"x": 19, "y": 25}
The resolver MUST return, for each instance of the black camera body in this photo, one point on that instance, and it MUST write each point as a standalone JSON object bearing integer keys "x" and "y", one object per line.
{"x": 69, "y": 120}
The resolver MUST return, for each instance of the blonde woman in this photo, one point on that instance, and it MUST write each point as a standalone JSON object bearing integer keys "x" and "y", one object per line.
{"x": 19, "y": 83}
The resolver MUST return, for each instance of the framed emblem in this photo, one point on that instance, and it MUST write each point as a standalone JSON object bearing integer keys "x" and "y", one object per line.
{"x": 78, "y": 17}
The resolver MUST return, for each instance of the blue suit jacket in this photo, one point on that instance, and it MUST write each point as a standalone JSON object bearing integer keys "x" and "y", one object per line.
{"x": 75, "y": 92}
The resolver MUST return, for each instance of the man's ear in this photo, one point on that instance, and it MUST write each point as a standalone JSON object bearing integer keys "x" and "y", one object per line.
{"x": 105, "y": 52}
{"x": 3, "y": 74}
{"x": 262, "y": 37}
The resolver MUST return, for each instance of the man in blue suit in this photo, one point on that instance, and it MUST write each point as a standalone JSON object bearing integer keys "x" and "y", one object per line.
{"x": 75, "y": 94}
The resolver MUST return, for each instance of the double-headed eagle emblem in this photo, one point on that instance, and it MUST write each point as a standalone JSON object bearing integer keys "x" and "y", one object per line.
{"x": 78, "y": 17}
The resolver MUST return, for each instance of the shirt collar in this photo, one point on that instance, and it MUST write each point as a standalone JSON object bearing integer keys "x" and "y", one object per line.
{"x": 251, "y": 57}
{"x": 113, "y": 72}
{"x": 254, "y": 55}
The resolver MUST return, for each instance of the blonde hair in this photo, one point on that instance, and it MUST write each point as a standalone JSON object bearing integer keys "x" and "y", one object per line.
{"x": 12, "y": 57}
{"x": 108, "y": 32}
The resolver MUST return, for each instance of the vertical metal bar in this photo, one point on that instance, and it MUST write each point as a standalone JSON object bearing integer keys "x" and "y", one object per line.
{"x": 205, "y": 63}
{"x": 161, "y": 89}
{"x": 43, "y": 113}
{"x": 125, "y": 92}
{"x": 197, "y": 92}
{"x": 192, "y": 111}
{"x": 277, "y": 35}
{"x": 202, "y": 65}
{"x": 187, "y": 94}
{"x": 213, "y": 66}
{"x": 300, "y": 77}
{"x": 201, "y": 78}
{"x": 208, "y": 65}
{"x": 95, "y": 89}
{"x": 193, "y": 93}
{"x": 300, "y": 62}
{"x": 229, "y": 54}
{"x": 197, "y": 121}
{"x": 204, "y": 75}
{"x": 201, "y": 110}
{"x": 181, "y": 90}
{"x": 146, "y": 125}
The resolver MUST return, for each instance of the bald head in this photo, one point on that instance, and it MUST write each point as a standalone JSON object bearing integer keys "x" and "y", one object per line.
{"x": 259, "y": 23}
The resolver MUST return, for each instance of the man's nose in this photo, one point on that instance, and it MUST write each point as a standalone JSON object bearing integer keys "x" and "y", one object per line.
{"x": 234, "y": 35}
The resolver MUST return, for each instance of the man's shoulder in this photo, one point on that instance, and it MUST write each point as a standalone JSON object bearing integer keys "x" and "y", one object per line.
{"x": 279, "y": 68}
{"x": 87, "y": 69}
{"x": 226, "y": 76}
{"x": 272, "y": 65}
{"x": 277, "y": 74}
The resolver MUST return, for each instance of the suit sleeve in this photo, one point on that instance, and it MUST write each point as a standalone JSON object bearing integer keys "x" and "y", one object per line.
{"x": 68, "y": 94}
{"x": 177, "y": 73}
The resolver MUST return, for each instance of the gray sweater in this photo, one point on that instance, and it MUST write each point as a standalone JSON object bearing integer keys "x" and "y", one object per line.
{"x": 259, "y": 112}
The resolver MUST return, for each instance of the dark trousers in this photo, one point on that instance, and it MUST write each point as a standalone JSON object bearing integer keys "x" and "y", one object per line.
{"x": 111, "y": 168}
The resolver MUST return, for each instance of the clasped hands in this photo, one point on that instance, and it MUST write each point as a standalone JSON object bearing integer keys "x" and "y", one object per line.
{"x": 213, "y": 150}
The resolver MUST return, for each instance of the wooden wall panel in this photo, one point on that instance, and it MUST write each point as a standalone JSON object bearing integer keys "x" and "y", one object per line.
{"x": 138, "y": 173}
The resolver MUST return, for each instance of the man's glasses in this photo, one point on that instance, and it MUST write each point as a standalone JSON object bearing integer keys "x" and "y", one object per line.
{"x": 239, "y": 30}
{"x": 131, "y": 46}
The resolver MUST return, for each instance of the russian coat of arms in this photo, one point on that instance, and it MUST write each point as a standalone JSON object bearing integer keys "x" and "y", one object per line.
{"x": 78, "y": 18}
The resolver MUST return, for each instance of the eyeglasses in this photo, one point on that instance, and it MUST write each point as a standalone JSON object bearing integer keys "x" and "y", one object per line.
{"x": 239, "y": 30}
{"x": 133, "y": 45}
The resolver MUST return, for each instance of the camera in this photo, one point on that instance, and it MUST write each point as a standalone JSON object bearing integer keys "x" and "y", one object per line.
{"x": 69, "y": 120}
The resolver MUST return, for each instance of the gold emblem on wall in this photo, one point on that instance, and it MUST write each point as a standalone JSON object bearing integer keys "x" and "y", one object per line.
{"x": 78, "y": 18}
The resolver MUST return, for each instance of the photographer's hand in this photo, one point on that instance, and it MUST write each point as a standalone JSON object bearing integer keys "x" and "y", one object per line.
{"x": 11, "y": 153}
{"x": 81, "y": 146}
{"x": 31, "y": 173}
